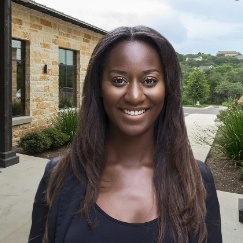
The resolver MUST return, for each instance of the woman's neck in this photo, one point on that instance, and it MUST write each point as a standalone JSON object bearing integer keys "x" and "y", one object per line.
{"x": 130, "y": 150}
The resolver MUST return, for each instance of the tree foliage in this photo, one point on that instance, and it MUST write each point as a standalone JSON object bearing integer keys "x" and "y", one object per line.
{"x": 229, "y": 90}
{"x": 197, "y": 87}
{"x": 224, "y": 76}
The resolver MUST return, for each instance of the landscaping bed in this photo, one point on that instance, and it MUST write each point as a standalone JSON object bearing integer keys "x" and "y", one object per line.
{"x": 225, "y": 173}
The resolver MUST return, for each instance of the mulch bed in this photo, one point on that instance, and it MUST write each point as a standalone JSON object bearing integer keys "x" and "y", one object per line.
{"x": 225, "y": 173}
{"x": 49, "y": 154}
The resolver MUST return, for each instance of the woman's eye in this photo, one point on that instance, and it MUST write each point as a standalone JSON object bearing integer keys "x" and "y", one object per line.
{"x": 150, "y": 81}
{"x": 119, "y": 81}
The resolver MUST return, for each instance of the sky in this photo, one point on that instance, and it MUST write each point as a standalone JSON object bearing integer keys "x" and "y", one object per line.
{"x": 192, "y": 26}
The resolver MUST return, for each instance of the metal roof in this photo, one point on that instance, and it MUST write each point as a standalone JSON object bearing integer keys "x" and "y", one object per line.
{"x": 52, "y": 12}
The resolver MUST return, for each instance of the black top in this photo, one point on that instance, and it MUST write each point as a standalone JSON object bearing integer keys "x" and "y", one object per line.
{"x": 64, "y": 225}
{"x": 110, "y": 230}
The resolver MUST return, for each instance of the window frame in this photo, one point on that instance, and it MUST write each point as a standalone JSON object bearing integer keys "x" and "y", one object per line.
{"x": 74, "y": 81}
{"x": 22, "y": 76}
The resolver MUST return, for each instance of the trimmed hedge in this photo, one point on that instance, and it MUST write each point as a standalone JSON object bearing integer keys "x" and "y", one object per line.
{"x": 35, "y": 142}
{"x": 39, "y": 141}
{"x": 57, "y": 138}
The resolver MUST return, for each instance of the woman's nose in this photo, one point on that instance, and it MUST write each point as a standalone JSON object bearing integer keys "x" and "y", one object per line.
{"x": 135, "y": 93}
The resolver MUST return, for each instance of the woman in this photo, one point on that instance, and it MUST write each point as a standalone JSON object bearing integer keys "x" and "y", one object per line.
{"x": 130, "y": 175}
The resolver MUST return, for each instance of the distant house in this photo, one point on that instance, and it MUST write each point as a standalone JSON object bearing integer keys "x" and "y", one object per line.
{"x": 228, "y": 53}
{"x": 50, "y": 55}
{"x": 240, "y": 57}
{"x": 194, "y": 58}
{"x": 206, "y": 67}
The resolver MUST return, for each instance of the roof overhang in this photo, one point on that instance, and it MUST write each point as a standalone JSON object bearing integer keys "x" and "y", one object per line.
{"x": 54, "y": 13}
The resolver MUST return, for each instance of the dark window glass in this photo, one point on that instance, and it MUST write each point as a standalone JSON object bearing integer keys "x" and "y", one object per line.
{"x": 18, "y": 78}
{"x": 67, "y": 78}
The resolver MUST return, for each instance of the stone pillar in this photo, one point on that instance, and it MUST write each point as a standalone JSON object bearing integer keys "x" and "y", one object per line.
{"x": 7, "y": 155}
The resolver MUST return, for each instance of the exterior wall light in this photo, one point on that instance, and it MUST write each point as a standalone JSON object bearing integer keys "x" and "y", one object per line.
{"x": 45, "y": 68}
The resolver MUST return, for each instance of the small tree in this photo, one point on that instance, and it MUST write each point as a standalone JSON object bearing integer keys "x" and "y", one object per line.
{"x": 197, "y": 87}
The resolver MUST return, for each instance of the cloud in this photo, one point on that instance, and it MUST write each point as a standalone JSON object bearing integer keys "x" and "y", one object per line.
{"x": 209, "y": 25}
{"x": 108, "y": 14}
{"x": 171, "y": 27}
{"x": 191, "y": 26}
{"x": 221, "y": 10}
{"x": 204, "y": 28}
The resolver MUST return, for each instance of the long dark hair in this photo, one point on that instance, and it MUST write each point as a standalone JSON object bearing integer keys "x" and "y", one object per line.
{"x": 177, "y": 180}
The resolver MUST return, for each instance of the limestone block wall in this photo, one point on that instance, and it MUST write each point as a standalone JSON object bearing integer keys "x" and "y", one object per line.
{"x": 43, "y": 35}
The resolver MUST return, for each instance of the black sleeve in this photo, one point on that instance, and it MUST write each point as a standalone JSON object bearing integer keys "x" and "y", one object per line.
{"x": 213, "y": 219}
{"x": 40, "y": 208}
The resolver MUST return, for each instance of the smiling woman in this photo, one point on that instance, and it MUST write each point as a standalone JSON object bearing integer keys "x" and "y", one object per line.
{"x": 130, "y": 175}
{"x": 133, "y": 88}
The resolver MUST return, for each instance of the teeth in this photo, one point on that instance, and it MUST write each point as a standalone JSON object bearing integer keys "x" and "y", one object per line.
{"x": 134, "y": 113}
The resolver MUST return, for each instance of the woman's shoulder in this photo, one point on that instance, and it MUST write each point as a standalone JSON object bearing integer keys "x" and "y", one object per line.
{"x": 45, "y": 178}
{"x": 205, "y": 172}
{"x": 51, "y": 164}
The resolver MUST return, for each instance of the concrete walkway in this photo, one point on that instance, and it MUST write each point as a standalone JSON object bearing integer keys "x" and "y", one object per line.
{"x": 18, "y": 185}
{"x": 232, "y": 229}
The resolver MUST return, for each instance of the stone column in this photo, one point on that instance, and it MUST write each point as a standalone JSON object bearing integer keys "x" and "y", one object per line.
{"x": 7, "y": 155}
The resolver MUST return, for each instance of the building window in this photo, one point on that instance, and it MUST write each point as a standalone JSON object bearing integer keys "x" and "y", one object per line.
{"x": 67, "y": 78}
{"x": 18, "y": 78}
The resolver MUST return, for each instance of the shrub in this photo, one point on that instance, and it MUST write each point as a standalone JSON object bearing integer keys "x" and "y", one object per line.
{"x": 227, "y": 113}
{"x": 227, "y": 102}
{"x": 67, "y": 122}
{"x": 35, "y": 142}
{"x": 187, "y": 101}
{"x": 57, "y": 138}
{"x": 230, "y": 132}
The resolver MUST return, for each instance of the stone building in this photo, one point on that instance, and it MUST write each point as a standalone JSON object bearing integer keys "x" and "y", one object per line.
{"x": 228, "y": 53}
{"x": 50, "y": 54}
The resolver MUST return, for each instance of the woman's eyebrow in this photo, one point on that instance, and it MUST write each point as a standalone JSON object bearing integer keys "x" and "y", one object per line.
{"x": 119, "y": 71}
{"x": 151, "y": 71}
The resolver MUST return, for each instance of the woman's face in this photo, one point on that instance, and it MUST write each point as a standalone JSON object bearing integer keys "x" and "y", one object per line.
{"x": 133, "y": 88}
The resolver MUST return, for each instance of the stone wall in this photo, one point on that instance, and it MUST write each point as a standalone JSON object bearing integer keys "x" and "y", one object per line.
{"x": 43, "y": 35}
